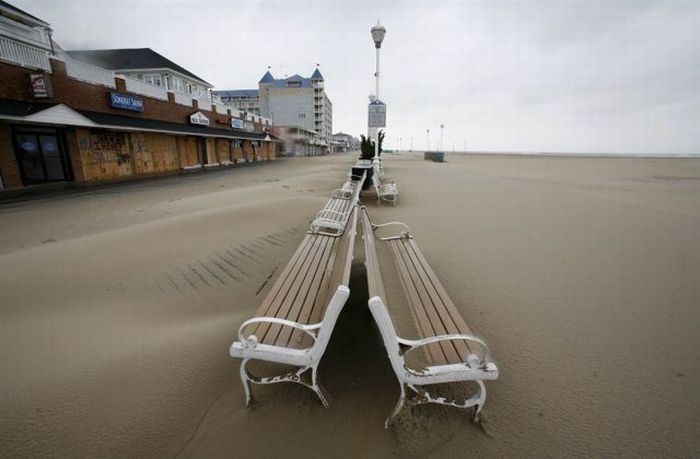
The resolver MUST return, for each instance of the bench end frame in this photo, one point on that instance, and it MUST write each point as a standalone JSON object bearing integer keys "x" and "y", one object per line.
{"x": 307, "y": 359}
{"x": 474, "y": 369}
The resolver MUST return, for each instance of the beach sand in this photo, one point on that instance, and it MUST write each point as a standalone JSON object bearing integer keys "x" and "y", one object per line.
{"x": 118, "y": 305}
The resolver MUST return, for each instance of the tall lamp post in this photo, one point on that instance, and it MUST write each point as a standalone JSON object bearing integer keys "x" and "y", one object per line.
{"x": 378, "y": 32}
{"x": 427, "y": 139}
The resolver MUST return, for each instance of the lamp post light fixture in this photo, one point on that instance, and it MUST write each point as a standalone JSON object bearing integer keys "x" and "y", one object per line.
{"x": 378, "y": 32}
{"x": 441, "y": 127}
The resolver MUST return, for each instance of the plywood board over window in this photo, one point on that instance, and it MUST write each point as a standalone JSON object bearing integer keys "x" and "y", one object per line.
{"x": 189, "y": 151}
{"x": 248, "y": 150}
{"x": 163, "y": 149}
{"x": 154, "y": 153}
{"x": 237, "y": 150}
{"x": 222, "y": 150}
{"x": 104, "y": 155}
{"x": 211, "y": 149}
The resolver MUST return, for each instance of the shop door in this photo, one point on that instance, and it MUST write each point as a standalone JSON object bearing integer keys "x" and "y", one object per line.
{"x": 40, "y": 157}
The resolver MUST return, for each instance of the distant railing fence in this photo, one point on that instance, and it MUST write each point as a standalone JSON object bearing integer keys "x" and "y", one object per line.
{"x": 89, "y": 73}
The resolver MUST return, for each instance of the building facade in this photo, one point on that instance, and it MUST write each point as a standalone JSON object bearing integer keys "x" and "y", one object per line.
{"x": 343, "y": 143}
{"x": 63, "y": 120}
{"x": 144, "y": 64}
{"x": 244, "y": 100}
{"x": 295, "y": 101}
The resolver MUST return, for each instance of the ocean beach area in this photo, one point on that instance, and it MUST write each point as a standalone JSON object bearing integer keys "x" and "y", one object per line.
{"x": 118, "y": 305}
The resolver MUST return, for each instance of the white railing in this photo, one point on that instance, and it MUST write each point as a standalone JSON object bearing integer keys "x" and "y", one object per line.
{"x": 204, "y": 104}
{"x": 24, "y": 55}
{"x": 183, "y": 99}
{"x": 145, "y": 89}
{"x": 89, "y": 73}
{"x": 220, "y": 108}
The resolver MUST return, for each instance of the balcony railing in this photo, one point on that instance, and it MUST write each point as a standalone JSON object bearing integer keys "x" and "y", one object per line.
{"x": 183, "y": 99}
{"x": 89, "y": 73}
{"x": 204, "y": 104}
{"x": 220, "y": 108}
{"x": 145, "y": 89}
{"x": 24, "y": 55}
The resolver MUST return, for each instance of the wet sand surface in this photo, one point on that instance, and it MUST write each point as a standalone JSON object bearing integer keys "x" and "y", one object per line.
{"x": 117, "y": 307}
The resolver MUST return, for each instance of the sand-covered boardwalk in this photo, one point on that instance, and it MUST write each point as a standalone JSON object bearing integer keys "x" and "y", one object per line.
{"x": 118, "y": 305}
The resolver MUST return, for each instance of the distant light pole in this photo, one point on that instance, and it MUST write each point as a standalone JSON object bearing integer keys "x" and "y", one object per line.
{"x": 441, "y": 127}
{"x": 378, "y": 32}
{"x": 427, "y": 139}
{"x": 399, "y": 143}
{"x": 411, "y": 144}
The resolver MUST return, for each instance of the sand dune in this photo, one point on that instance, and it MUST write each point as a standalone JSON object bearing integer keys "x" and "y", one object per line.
{"x": 118, "y": 305}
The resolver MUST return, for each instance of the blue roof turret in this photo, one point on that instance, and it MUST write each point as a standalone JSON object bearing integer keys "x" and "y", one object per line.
{"x": 267, "y": 78}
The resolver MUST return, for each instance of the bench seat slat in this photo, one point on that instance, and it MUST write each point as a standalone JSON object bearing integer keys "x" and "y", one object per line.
{"x": 452, "y": 322}
{"x": 421, "y": 316}
{"x": 284, "y": 277}
{"x": 273, "y": 302}
{"x": 427, "y": 317}
{"x": 314, "y": 285}
{"x": 297, "y": 294}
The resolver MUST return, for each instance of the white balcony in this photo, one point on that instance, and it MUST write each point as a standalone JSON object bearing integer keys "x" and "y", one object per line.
{"x": 145, "y": 89}
{"x": 89, "y": 73}
{"x": 24, "y": 55}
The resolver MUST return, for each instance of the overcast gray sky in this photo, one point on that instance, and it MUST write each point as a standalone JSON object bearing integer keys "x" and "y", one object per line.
{"x": 573, "y": 76}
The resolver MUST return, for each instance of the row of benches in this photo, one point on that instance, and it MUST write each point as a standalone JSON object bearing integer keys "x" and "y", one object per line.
{"x": 294, "y": 323}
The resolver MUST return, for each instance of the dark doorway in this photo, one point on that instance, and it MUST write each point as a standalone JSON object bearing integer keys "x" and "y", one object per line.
{"x": 40, "y": 156}
{"x": 203, "y": 151}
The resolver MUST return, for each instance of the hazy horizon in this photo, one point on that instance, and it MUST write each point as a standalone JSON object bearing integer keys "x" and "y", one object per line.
{"x": 564, "y": 77}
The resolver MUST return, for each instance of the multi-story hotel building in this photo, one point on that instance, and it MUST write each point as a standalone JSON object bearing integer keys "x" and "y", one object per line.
{"x": 294, "y": 101}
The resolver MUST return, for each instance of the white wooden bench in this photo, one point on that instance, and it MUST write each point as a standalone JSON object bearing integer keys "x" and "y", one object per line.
{"x": 332, "y": 219}
{"x": 386, "y": 191}
{"x": 294, "y": 323}
{"x": 450, "y": 352}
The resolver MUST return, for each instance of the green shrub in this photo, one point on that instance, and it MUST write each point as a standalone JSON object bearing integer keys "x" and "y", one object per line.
{"x": 367, "y": 146}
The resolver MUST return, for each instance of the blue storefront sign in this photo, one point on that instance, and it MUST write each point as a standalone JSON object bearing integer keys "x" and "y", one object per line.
{"x": 126, "y": 102}
{"x": 237, "y": 124}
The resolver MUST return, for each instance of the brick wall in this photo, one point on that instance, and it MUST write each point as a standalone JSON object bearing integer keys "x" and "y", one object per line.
{"x": 8, "y": 163}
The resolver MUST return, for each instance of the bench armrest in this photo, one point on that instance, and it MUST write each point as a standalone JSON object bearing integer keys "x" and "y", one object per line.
{"x": 406, "y": 233}
{"x": 252, "y": 340}
{"x": 318, "y": 214}
{"x": 414, "y": 344}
